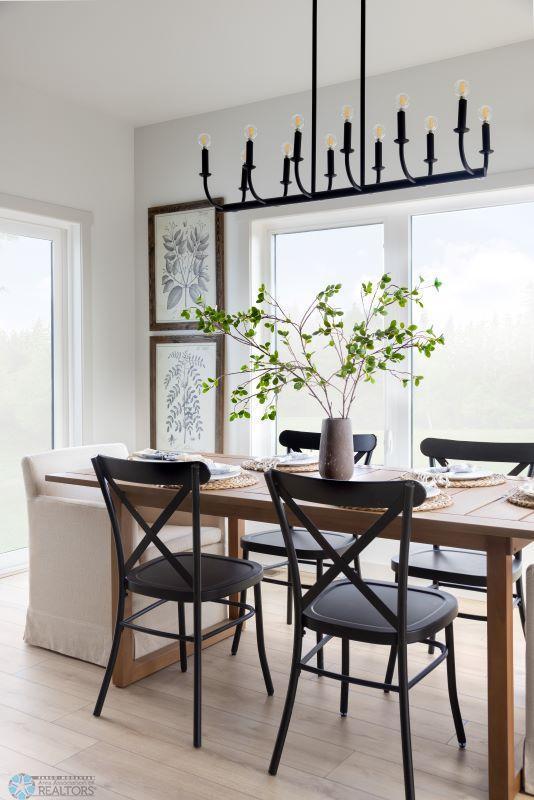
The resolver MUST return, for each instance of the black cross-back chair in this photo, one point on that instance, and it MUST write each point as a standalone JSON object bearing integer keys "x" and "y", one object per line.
{"x": 365, "y": 611}
{"x": 187, "y": 577}
{"x": 454, "y": 568}
{"x": 271, "y": 542}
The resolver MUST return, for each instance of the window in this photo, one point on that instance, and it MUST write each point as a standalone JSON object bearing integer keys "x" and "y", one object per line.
{"x": 481, "y": 384}
{"x": 304, "y": 264}
{"x": 36, "y": 360}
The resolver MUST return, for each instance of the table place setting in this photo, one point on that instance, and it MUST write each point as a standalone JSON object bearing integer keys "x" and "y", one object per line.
{"x": 223, "y": 476}
{"x": 522, "y": 495}
{"x": 458, "y": 476}
{"x": 290, "y": 462}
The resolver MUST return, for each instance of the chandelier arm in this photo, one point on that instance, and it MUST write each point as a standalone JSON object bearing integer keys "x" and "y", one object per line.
{"x": 209, "y": 198}
{"x": 461, "y": 148}
{"x": 253, "y": 192}
{"x": 403, "y": 163}
{"x": 299, "y": 182}
{"x": 348, "y": 170}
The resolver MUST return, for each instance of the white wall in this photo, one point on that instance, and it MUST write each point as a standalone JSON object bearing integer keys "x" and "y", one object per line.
{"x": 167, "y": 162}
{"x": 60, "y": 153}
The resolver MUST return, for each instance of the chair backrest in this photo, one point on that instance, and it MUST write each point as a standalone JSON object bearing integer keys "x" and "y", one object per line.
{"x": 363, "y": 443}
{"x": 441, "y": 450}
{"x": 35, "y": 467}
{"x": 391, "y": 497}
{"x": 185, "y": 477}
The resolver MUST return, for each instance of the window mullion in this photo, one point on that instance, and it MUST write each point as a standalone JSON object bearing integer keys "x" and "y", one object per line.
{"x": 398, "y": 412}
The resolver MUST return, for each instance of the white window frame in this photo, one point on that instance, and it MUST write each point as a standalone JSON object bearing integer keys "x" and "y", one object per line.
{"x": 395, "y": 214}
{"x": 69, "y": 239}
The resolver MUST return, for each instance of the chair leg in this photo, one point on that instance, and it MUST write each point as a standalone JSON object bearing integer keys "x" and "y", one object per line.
{"x": 261, "y": 640}
{"x": 407, "y": 761}
{"x": 453, "y": 692}
{"x": 520, "y": 593}
{"x": 320, "y": 653}
{"x": 182, "y": 631}
{"x": 294, "y": 676}
{"x": 431, "y": 647}
{"x": 197, "y": 660}
{"x": 391, "y": 666}
{"x": 239, "y": 628}
{"x": 289, "y": 600}
{"x": 345, "y": 669}
{"x": 112, "y": 655}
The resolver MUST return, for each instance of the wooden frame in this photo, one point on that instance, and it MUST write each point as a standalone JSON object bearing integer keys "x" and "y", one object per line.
{"x": 219, "y": 260}
{"x": 193, "y": 338}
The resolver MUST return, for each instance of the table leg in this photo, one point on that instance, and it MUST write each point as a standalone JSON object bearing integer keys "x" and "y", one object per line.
{"x": 236, "y": 529}
{"x": 503, "y": 780}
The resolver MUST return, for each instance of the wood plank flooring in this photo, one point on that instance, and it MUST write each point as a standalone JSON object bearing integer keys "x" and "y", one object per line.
{"x": 144, "y": 738}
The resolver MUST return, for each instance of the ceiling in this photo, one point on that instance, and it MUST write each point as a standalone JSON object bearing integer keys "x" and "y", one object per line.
{"x": 147, "y": 61}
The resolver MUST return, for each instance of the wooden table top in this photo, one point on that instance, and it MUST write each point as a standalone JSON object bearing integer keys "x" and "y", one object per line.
{"x": 476, "y": 512}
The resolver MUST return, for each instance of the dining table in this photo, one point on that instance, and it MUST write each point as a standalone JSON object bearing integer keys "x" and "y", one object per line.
{"x": 479, "y": 518}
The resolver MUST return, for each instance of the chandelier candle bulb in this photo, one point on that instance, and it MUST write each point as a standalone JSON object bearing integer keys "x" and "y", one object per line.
{"x": 461, "y": 89}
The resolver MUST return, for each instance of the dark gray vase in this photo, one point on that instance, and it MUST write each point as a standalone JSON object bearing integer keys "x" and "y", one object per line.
{"x": 336, "y": 452}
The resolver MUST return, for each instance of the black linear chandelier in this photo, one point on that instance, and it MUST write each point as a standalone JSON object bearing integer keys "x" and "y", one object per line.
{"x": 293, "y": 155}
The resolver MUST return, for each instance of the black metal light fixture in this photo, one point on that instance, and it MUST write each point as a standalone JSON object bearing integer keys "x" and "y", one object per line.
{"x": 292, "y": 155}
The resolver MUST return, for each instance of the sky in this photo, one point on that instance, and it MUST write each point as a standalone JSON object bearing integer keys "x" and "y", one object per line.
{"x": 25, "y": 285}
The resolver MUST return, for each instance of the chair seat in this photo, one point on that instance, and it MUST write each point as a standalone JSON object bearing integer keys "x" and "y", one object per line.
{"x": 342, "y": 610}
{"x": 221, "y": 576}
{"x": 451, "y": 565}
{"x": 272, "y": 543}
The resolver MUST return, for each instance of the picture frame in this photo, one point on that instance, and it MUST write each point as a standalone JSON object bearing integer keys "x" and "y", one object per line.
{"x": 185, "y": 261}
{"x": 182, "y": 417}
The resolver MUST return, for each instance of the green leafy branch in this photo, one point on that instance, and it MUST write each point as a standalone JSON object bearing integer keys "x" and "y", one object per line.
{"x": 286, "y": 352}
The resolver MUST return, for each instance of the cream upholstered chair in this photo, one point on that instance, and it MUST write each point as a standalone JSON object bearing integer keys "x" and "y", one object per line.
{"x": 71, "y": 572}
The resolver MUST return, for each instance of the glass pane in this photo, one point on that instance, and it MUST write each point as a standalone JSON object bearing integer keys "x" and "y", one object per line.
{"x": 26, "y": 369}
{"x": 481, "y": 384}
{"x": 306, "y": 263}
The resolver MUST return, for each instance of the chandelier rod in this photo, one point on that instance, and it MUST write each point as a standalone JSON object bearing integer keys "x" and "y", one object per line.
{"x": 363, "y": 36}
{"x": 314, "y": 101}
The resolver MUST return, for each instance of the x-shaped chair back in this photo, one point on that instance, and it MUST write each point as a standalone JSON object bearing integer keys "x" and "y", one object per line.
{"x": 186, "y": 477}
{"x": 390, "y": 497}
{"x": 441, "y": 450}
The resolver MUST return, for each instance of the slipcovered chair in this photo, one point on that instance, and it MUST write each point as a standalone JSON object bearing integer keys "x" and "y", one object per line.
{"x": 71, "y": 568}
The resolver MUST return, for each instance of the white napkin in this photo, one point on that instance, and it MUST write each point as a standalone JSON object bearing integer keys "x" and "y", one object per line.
{"x": 461, "y": 468}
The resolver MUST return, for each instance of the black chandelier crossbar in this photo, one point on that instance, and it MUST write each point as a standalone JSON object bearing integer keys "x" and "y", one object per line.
{"x": 292, "y": 155}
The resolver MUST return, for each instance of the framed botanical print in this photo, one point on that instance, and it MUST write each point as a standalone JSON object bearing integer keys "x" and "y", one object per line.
{"x": 185, "y": 261}
{"x": 182, "y": 416}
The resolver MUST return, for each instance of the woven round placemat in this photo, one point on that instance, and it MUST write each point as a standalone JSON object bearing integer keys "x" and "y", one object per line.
{"x": 443, "y": 481}
{"x": 436, "y": 503}
{"x": 237, "y": 482}
{"x": 263, "y": 465}
{"x": 519, "y": 499}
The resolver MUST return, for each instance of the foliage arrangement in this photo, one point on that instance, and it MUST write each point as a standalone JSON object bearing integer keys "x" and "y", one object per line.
{"x": 286, "y": 352}
{"x": 186, "y": 272}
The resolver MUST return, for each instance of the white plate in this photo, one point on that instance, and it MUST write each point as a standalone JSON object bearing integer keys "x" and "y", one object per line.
{"x": 298, "y": 462}
{"x": 468, "y": 476}
{"x": 231, "y": 472}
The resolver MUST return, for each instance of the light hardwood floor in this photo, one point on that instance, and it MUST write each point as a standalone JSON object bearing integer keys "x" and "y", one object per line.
{"x": 142, "y": 745}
